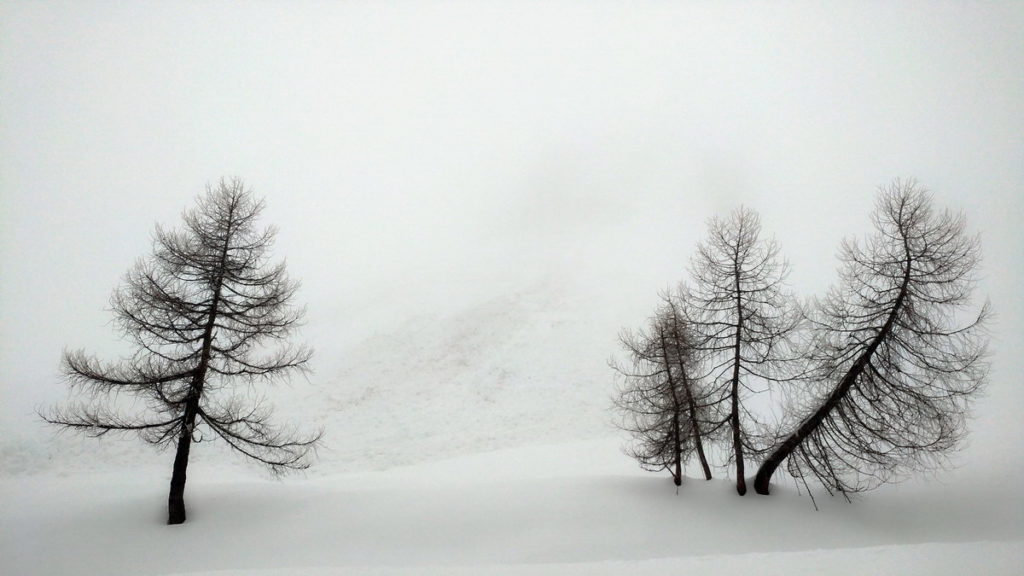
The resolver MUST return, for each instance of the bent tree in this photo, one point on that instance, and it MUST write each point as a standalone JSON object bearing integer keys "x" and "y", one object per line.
{"x": 662, "y": 405}
{"x": 895, "y": 364}
{"x": 202, "y": 312}
{"x": 745, "y": 320}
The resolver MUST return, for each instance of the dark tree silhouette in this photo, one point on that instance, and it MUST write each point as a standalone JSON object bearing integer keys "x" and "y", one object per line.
{"x": 892, "y": 372}
{"x": 201, "y": 312}
{"x": 661, "y": 404}
{"x": 745, "y": 320}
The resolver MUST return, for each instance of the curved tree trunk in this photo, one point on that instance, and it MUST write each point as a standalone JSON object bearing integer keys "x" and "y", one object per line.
{"x": 762, "y": 482}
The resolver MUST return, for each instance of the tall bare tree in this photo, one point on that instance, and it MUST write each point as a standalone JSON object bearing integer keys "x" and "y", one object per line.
{"x": 894, "y": 365}
{"x": 661, "y": 404}
{"x": 203, "y": 313}
{"x": 745, "y": 320}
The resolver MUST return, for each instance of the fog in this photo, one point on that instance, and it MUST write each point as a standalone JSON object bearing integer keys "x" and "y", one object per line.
{"x": 420, "y": 157}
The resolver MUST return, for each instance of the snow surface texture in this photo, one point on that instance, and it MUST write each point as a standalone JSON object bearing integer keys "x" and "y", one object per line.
{"x": 575, "y": 508}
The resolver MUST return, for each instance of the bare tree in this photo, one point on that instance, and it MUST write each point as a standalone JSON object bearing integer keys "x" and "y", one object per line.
{"x": 745, "y": 320}
{"x": 892, "y": 371}
{"x": 661, "y": 405}
{"x": 201, "y": 312}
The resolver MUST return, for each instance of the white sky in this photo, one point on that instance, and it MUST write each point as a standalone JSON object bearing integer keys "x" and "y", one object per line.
{"x": 417, "y": 155}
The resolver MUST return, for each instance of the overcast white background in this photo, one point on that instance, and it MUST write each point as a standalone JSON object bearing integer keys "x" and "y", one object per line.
{"x": 419, "y": 157}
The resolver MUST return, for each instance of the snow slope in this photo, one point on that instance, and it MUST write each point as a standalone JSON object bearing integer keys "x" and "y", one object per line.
{"x": 461, "y": 442}
{"x": 476, "y": 439}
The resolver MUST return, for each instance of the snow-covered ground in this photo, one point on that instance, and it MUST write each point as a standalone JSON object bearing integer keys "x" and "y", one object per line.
{"x": 573, "y": 508}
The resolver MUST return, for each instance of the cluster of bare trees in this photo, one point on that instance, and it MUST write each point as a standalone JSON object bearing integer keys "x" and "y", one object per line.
{"x": 666, "y": 407}
{"x": 878, "y": 374}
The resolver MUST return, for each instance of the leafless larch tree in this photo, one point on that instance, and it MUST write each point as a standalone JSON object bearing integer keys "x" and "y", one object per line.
{"x": 661, "y": 404}
{"x": 894, "y": 362}
{"x": 204, "y": 312}
{"x": 745, "y": 319}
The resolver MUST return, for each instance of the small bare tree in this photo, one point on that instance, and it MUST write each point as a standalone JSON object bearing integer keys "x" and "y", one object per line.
{"x": 891, "y": 370}
{"x": 661, "y": 404}
{"x": 200, "y": 312}
{"x": 745, "y": 320}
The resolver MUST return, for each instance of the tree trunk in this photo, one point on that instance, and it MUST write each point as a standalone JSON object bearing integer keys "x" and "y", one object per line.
{"x": 691, "y": 405}
{"x": 734, "y": 420}
{"x": 763, "y": 479}
{"x": 700, "y": 450}
{"x": 677, "y": 445}
{"x": 737, "y": 442}
{"x": 176, "y": 499}
{"x": 762, "y": 482}
{"x": 737, "y": 435}
{"x": 676, "y": 438}
{"x": 697, "y": 440}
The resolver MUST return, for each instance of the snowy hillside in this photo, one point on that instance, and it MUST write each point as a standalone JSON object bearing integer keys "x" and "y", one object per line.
{"x": 464, "y": 458}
